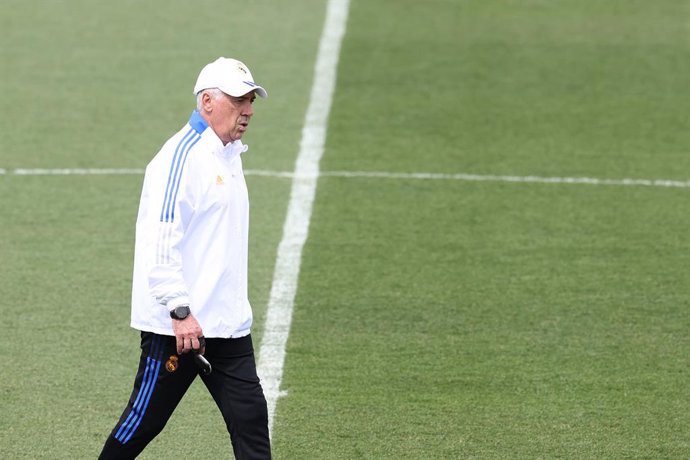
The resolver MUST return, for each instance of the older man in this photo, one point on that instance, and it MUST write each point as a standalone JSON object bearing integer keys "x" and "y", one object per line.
{"x": 189, "y": 294}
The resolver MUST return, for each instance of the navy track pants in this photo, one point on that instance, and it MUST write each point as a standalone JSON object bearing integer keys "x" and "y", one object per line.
{"x": 164, "y": 377}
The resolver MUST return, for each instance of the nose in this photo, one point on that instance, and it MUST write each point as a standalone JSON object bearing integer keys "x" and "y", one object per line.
{"x": 248, "y": 109}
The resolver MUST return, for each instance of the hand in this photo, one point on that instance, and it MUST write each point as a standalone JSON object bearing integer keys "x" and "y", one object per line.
{"x": 187, "y": 334}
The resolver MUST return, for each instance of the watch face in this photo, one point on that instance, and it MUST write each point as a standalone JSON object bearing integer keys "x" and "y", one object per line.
{"x": 180, "y": 312}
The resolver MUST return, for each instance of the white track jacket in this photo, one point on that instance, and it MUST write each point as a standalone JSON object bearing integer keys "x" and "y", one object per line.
{"x": 192, "y": 235}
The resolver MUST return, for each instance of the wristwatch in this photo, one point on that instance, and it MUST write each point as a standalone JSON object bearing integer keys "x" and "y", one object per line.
{"x": 180, "y": 313}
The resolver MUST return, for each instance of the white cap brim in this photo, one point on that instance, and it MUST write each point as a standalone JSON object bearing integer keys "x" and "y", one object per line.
{"x": 244, "y": 88}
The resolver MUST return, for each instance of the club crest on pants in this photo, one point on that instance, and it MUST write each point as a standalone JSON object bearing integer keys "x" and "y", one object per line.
{"x": 172, "y": 364}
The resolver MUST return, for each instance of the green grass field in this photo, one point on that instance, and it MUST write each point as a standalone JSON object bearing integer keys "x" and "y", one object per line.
{"x": 435, "y": 318}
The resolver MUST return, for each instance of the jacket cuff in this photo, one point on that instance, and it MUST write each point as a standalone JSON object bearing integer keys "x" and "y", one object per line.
{"x": 177, "y": 301}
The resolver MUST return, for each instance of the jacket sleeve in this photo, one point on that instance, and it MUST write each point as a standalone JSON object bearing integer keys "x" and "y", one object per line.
{"x": 170, "y": 199}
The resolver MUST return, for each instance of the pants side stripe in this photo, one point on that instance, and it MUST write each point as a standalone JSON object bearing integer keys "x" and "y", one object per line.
{"x": 148, "y": 381}
{"x": 146, "y": 405}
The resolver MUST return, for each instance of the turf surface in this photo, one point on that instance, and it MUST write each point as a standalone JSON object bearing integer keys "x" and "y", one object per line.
{"x": 434, "y": 318}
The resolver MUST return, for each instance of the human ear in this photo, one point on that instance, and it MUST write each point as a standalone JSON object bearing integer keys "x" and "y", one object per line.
{"x": 207, "y": 102}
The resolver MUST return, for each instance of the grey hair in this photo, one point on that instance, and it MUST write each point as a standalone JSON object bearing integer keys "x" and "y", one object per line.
{"x": 215, "y": 93}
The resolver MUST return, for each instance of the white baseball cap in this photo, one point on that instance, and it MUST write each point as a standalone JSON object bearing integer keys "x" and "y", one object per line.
{"x": 228, "y": 75}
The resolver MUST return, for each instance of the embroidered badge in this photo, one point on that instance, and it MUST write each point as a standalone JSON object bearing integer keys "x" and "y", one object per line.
{"x": 219, "y": 180}
{"x": 171, "y": 364}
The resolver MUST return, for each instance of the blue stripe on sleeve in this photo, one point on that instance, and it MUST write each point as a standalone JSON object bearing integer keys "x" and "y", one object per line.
{"x": 177, "y": 186}
{"x": 172, "y": 170}
{"x": 174, "y": 176}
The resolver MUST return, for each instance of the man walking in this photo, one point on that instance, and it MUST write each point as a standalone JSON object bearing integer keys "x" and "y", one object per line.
{"x": 189, "y": 294}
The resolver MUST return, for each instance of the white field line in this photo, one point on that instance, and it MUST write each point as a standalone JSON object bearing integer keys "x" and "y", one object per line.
{"x": 74, "y": 171}
{"x": 296, "y": 227}
{"x": 378, "y": 174}
{"x": 524, "y": 179}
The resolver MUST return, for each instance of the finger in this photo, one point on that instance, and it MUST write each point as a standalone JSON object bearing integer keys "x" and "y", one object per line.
{"x": 179, "y": 342}
{"x": 195, "y": 344}
{"x": 188, "y": 344}
{"x": 202, "y": 344}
